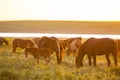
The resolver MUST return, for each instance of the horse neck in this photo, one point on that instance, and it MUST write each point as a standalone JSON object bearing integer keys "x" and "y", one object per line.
{"x": 31, "y": 51}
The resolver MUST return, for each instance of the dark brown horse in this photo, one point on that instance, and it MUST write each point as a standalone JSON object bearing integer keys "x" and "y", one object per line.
{"x": 39, "y": 52}
{"x": 3, "y": 40}
{"x": 93, "y": 47}
{"x": 48, "y": 42}
{"x": 21, "y": 44}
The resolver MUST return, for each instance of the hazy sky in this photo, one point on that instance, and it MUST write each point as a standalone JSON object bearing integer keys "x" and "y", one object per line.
{"x": 60, "y": 10}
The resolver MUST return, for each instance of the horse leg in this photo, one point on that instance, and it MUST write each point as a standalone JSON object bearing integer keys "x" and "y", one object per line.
{"x": 58, "y": 58}
{"x": 62, "y": 54}
{"x": 78, "y": 62}
{"x": 89, "y": 58}
{"x": 94, "y": 60}
{"x": 108, "y": 59}
{"x": 68, "y": 51}
{"x": 115, "y": 58}
{"x": 14, "y": 49}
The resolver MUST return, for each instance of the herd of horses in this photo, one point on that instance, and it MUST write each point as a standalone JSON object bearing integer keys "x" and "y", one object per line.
{"x": 46, "y": 46}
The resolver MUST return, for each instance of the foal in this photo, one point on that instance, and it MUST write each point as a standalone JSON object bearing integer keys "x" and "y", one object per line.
{"x": 39, "y": 52}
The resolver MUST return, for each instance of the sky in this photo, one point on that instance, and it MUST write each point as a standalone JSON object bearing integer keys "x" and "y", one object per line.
{"x": 88, "y": 10}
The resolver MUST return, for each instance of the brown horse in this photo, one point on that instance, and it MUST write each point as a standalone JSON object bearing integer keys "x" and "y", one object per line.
{"x": 48, "y": 42}
{"x": 67, "y": 46}
{"x": 36, "y": 40}
{"x": 3, "y": 40}
{"x": 74, "y": 46}
{"x": 70, "y": 40}
{"x": 21, "y": 43}
{"x": 63, "y": 46}
{"x": 39, "y": 52}
{"x": 93, "y": 47}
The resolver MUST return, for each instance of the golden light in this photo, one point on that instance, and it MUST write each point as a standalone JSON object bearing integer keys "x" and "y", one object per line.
{"x": 83, "y": 10}
{"x": 101, "y": 10}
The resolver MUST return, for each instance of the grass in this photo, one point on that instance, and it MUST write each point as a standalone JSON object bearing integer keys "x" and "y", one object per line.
{"x": 16, "y": 67}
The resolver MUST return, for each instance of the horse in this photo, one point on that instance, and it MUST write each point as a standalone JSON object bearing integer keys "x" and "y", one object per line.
{"x": 68, "y": 41}
{"x": 39, "y": 52}
{"x": 36, "y": 40}
{"x": 93, "y": 47}
{"x": 63, "y": 46}
{"x": 22, "y": 44}
{"x": 48, "y": 42}
{"x": 73, "y": 46}
{"x": 3, "y": 40}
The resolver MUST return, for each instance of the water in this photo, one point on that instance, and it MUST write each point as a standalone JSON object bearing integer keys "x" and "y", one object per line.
{"x": 59, "y": 35}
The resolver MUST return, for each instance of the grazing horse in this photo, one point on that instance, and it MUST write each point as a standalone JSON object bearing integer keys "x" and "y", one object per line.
{"x": 74, "y": 46}
{"x": 70, "y": 40}
{"x": 67, "y": 47}
{"x": 48, "y": 42}
{"x": 93, "y": 47}
{"x": 3, "y": 40}
{"x": 39, "y": 52}
{"x": 21, "y": 43}
{"x": 36, "y": 40}
{"x": 63, "y": 47}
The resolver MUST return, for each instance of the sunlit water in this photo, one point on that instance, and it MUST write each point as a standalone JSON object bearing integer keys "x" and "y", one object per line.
{"x": 58, "y": 35}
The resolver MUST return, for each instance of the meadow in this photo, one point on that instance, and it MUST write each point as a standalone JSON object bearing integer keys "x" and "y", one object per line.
{"x": 14, "y": 66}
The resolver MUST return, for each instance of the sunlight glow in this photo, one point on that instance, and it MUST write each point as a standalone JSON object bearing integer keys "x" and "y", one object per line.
{"x": 58, "y": 35}
{"x": 101, "y": 10}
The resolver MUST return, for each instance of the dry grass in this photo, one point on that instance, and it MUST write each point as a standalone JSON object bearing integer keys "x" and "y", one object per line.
{"x": 16, "y": 67}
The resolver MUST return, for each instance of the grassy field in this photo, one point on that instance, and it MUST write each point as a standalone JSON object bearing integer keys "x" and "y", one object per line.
{"x": 14, "y": 66}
